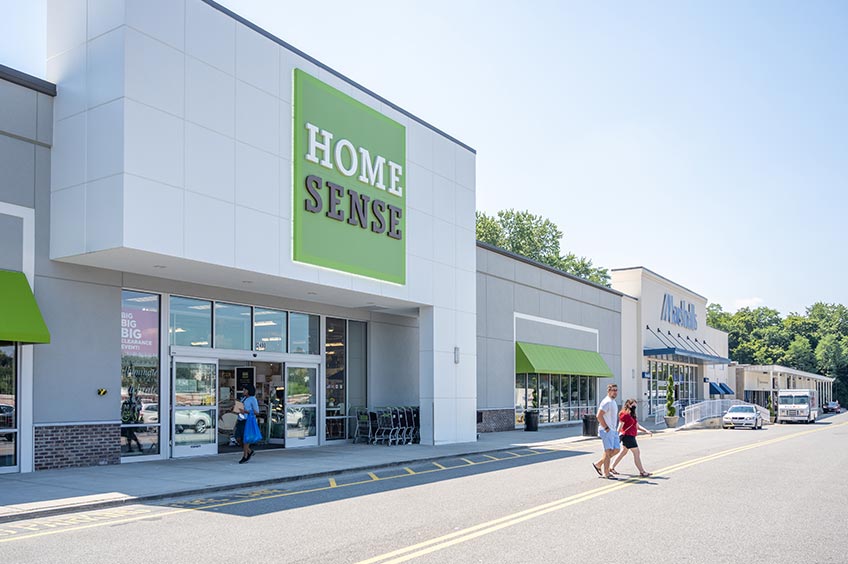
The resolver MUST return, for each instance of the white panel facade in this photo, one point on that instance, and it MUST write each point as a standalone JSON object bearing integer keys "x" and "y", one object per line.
{"x": 187, "y": 112}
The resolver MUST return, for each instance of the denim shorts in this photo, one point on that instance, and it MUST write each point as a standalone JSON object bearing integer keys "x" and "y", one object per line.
{"x": 610, "y": 439}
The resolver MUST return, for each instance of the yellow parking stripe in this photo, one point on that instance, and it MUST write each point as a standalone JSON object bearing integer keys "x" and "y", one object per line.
{"x": 409, "y": 470}
{"x": 332, "y": 482}
{"x": 373, "y": 476}
{"x": 437, "y": 465}
{"x": 467, "y": 461}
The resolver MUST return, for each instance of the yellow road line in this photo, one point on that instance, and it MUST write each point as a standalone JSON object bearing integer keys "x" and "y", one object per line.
{"x": 10, "y": 529}
{"x": 491, "y": 457}
{"x": 332, "y": 482}
{"x": 470, "y": 533}
{"x": 373, "y": 476}
{"x": 409, "y": 470}
{"x": 467, "y": 461}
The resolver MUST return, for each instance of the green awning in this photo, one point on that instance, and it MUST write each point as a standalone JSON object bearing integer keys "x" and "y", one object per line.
{"x": 545, "y": 359}
{"x": 20, "y": 318}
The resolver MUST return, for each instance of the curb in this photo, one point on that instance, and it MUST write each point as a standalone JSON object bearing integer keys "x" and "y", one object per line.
{"x": 96, "y": 505}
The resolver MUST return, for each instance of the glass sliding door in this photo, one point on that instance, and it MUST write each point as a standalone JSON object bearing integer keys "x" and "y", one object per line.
{"x": 301, "y": 404}
{"x": 195, "y": 407}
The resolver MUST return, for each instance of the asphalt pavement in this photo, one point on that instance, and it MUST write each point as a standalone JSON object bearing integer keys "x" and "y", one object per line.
{"x": 51, "y": 492}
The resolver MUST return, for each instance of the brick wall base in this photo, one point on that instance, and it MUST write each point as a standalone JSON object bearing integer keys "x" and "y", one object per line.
{"x": 66, "y": 446}
{"x": 496, "y": 420}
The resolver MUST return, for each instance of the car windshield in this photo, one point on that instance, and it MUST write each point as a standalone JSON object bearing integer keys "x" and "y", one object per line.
{"x": 741, "y": 409}
{"x": 794, "y": 400}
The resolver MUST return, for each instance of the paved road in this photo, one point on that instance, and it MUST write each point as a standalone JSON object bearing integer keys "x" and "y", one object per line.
{"x": 717, "y": 496}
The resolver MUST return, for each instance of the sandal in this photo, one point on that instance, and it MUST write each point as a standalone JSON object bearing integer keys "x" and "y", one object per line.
{"x": 612, "y": 471}
{"x": 644, "y": 474}
{"x": 598, "y": 470}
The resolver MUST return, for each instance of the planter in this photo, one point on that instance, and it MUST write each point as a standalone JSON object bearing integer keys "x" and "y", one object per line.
{"x": 671, "y": 422}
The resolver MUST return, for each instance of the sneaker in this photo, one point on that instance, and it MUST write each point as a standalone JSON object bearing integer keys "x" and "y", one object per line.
{"x": 244, "y": 459}
{"x": 249, "y": 456}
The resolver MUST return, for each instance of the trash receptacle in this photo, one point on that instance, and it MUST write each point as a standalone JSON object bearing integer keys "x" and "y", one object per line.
{"x": 531, "y": 420}
{"x": 590, "y": 426}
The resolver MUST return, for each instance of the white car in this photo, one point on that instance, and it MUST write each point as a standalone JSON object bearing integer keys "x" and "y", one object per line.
{"x": 194, "y": 419}
{"x": 742, "y": 416}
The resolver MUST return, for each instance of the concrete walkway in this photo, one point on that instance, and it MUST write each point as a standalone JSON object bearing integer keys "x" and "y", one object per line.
{"x": 47, "y": 492}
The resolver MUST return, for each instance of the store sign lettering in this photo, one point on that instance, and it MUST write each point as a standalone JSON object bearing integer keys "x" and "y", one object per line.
{"x": 683, "y": 315}
{"x": 139, "y": 332}
{"x": 349, "y": 184}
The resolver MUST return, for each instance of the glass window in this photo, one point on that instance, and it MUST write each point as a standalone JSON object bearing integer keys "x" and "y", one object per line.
{"x": 335, "y": 343}
{"x": 303, "y": 333}
{"x": 232, "y": 326}
{"x": 8, "y": 404}
{"x": 533, "y": 390}
{"x": 556, "y": 398}
{"x": 269, "y": 330}
{"x": 520, "y": 398}
{"x": 544, "y": 398}
{"x": 191, "y": 322}
{"x": 139, "y": 373}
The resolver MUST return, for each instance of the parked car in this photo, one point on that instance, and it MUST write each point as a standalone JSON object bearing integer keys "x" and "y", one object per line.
{"x": 192, "y": 419}
{"x": 7, "y": 419}
{"x": 831, "y": 407}
{"x": 184, "y": 418}
{"x": 742, "y": 416}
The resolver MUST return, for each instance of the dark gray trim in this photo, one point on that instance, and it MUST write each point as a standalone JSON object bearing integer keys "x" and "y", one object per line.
{"x": 532, "y": 262}
{"x": 334, "y": 72}
{"x": 22, "y": 79}
{"x": 659, "y": 276}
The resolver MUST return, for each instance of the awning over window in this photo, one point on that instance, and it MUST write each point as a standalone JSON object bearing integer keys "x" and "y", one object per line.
{"x": 715, "y": 389}
{"x": 685, "y": 355}
{"x": 727, "y": 389}
{"x": 546, "y": 359}
{"x": 20, "y": 318}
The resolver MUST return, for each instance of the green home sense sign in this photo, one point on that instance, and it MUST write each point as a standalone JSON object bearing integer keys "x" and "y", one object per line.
{"x": 349, "y": 184}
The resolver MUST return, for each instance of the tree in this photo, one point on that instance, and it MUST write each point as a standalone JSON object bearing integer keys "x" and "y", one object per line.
{"x": 830, "y": 356}
{"x": 536, "y": 238}
{"x": 800, "y": 355}
{"x": 719, "y": 319}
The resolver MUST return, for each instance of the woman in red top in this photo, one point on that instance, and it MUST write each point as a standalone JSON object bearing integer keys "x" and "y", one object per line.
{"x": 628, "y": 427}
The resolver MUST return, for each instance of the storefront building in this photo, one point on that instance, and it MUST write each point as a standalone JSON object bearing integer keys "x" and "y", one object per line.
{"x": 210, "y": 206}
{"x": 670, "y": 338}
{"x": 759, "y": 382}
{"x": 547, "y": 342}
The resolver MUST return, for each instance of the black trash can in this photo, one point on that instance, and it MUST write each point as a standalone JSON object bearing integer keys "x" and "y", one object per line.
{"x": 531, "y": 420}
{"x": 590, "y": 426}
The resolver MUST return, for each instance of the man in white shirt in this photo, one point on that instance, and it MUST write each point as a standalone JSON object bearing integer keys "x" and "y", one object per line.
{"x": 608, "y": 431}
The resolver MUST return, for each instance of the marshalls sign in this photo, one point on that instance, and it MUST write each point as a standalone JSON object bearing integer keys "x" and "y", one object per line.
{"x": 349, "y": 209}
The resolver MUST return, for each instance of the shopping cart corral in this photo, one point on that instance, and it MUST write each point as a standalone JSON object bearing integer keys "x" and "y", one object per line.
{"x": 393, "y": 425}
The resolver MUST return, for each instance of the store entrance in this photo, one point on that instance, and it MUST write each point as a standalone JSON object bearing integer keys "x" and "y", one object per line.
{"x": 267, "y": 377}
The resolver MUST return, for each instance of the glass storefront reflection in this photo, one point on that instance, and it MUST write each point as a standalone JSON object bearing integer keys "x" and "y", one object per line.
{"x": 8, "y": 450}
{"x": 194, "y": 427}
{"x": 232, "y": 326}
{"x": 139, "y": 440}
{"x": 195, "y": 384}
{"x": 300, "y": 422}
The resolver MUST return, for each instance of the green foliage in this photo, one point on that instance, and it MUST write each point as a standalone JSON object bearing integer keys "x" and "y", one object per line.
{"x": 536, "y": 238}
{"x": 670, "y": 410}
{"x": 816, "y": 341}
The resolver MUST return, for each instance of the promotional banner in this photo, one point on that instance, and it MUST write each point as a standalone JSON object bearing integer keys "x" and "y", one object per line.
{"x": 349, "y": 203}
{"x": 139, "y": 332}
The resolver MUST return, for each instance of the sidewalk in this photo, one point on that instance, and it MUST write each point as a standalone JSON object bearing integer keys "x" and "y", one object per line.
{"x": 48, "y": 492}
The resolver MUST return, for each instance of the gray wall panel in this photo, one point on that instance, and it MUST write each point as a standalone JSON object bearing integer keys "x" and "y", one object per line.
{"x": 11, "y": 243}
{"x": 17, "y": 172}
{"x": 482, "y": 372}
{"x": 545, "y": 334}
{"x": 393, "y": 365}
{"x": 499, "y": 309}
{"x": 481, "y": 303}
{"x": 17, "y": 110}
{"x": 526, "y": 300}
{"x": 84, "y": 353}
{"x": 500, "y": 358}
{"x": 550, "y": 306}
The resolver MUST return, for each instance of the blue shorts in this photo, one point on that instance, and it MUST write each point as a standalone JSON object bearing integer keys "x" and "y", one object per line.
{"x": 610, "y": 439}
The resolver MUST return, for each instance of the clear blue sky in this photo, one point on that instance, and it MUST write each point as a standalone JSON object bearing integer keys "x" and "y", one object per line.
{"x": 707, "y": 141}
